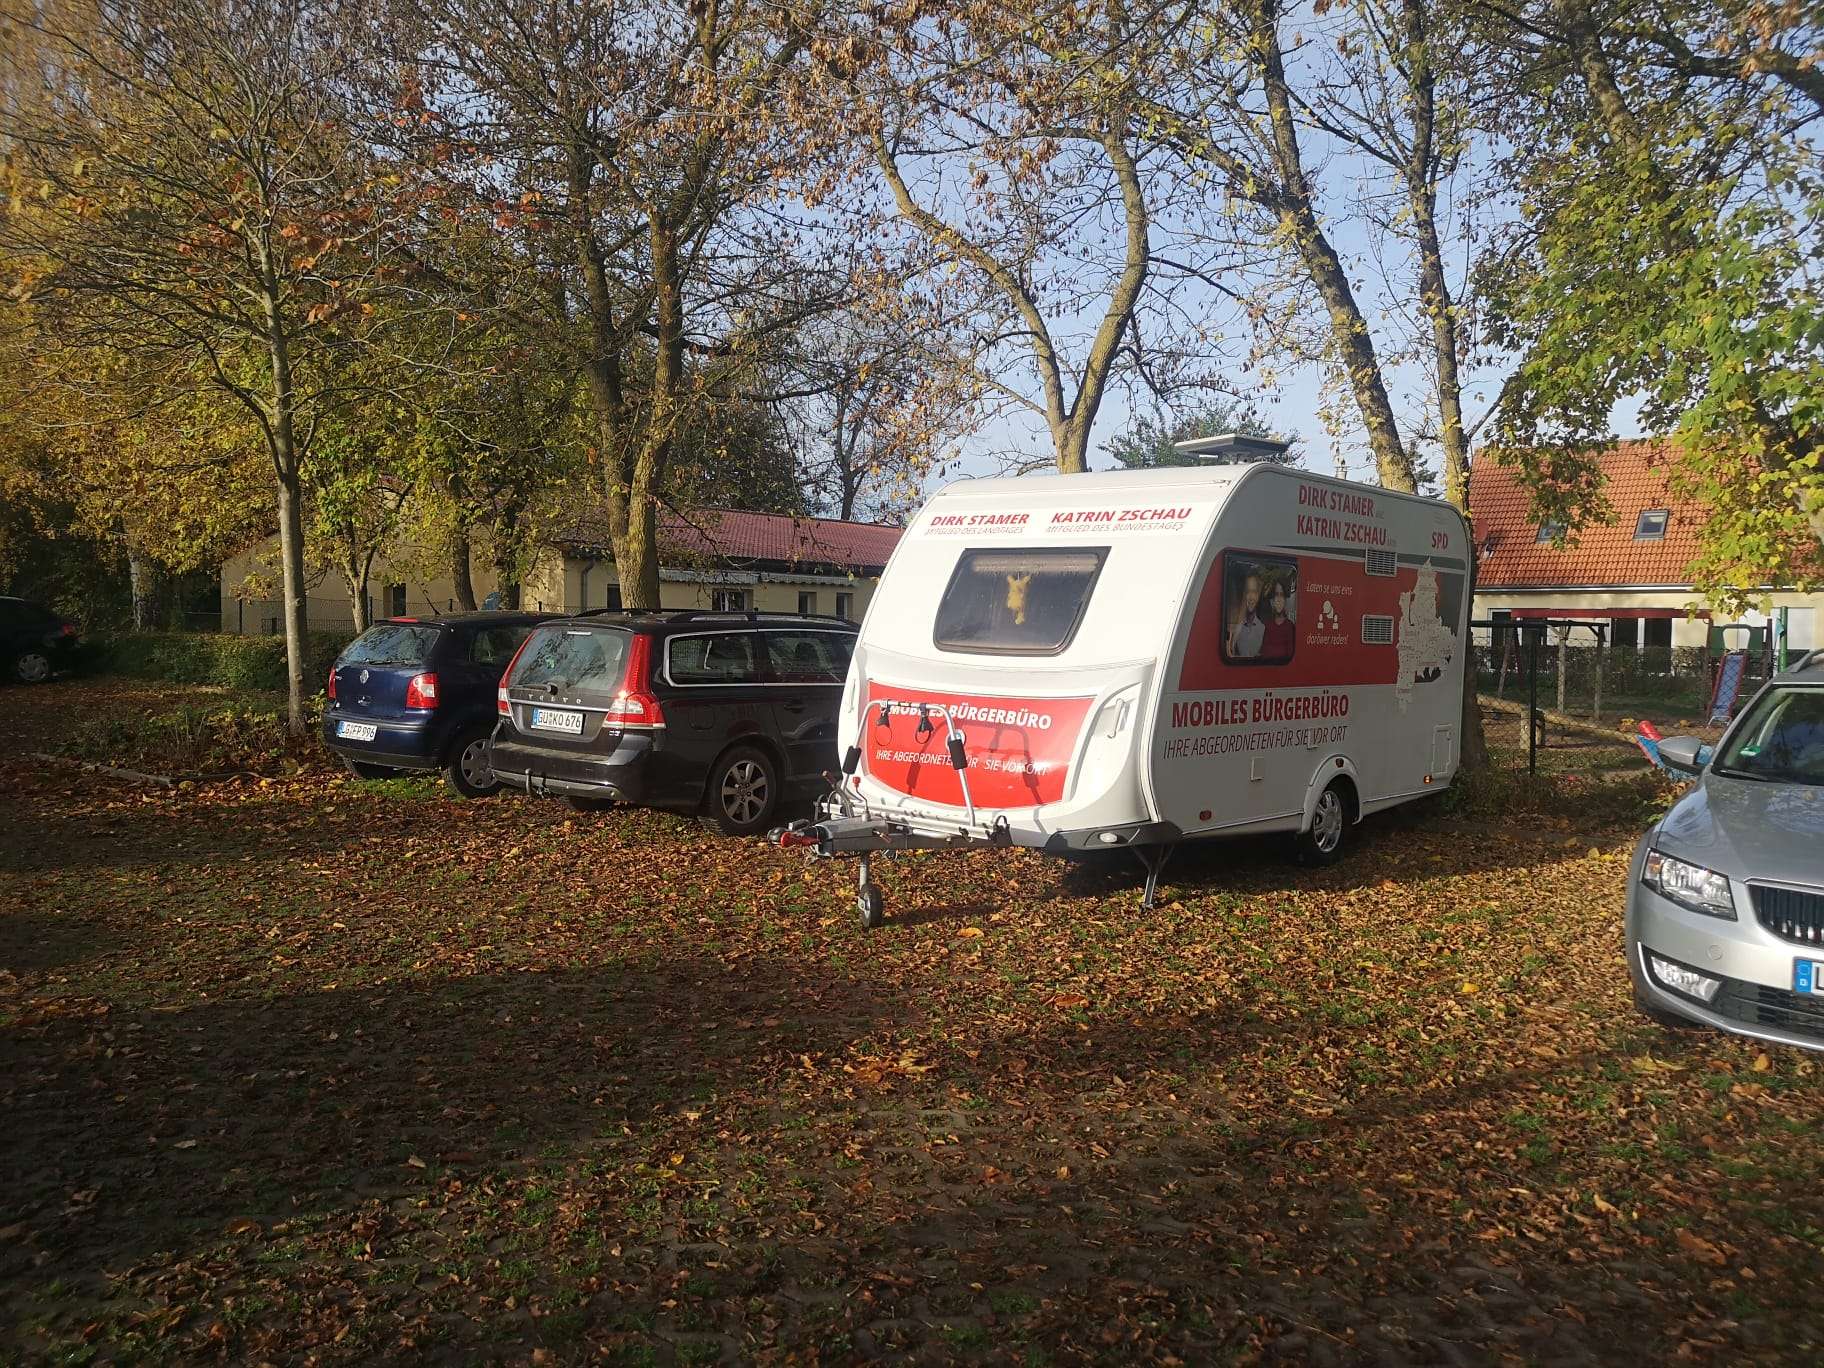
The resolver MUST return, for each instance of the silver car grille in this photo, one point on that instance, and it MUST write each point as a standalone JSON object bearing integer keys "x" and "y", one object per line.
{"x": 1794, "y": 914}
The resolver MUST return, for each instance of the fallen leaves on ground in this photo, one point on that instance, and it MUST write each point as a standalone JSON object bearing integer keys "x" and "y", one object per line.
{"x": 308, "y": 1070}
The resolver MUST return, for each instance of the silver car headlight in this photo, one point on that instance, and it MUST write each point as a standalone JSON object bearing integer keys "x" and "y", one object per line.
{"x": 1688, "y": 885}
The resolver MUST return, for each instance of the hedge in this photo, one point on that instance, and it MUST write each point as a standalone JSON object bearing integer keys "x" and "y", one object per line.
{"x": 220, "y": 658}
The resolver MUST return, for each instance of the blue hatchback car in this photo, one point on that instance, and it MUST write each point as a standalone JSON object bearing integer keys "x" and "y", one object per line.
{"x": 418, "y": 694}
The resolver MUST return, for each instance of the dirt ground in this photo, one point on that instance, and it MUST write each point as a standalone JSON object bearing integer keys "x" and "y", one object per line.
{"x": 301, "y": 1070}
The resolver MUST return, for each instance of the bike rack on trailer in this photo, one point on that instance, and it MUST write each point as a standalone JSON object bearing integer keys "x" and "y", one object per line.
{"x": 845, "y": 825}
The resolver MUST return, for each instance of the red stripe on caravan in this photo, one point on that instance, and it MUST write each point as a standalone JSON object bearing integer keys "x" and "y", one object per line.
{"x": 1329, "y": 649}
{"x": 1019, "y": 748}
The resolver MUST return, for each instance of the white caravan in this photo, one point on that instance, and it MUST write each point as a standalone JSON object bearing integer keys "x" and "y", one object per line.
{"x": 1133, "y": 659}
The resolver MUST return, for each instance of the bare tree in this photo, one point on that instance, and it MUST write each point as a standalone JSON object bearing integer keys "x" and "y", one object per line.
{"x": 635, "y": 153}
{"x": 1037, "y": 201}
{"x": 872, "y": 399}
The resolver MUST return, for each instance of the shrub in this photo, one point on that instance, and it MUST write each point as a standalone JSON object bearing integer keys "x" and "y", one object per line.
{"x": 219, "y": 658}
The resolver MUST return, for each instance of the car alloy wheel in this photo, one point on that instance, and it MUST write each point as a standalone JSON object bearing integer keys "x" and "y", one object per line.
{"x": 34, "y": 667}
{"x": 744, "y": 792}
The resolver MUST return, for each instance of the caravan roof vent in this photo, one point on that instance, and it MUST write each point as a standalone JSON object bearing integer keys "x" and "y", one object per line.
{"x": 1232, "y": 448}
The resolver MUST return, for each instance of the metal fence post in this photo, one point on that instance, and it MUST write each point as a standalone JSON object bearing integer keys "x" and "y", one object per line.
{"x": 1532, "y": 700}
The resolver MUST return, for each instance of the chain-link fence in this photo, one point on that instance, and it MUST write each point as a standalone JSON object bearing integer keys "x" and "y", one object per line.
{"x": 1559, "y": 695}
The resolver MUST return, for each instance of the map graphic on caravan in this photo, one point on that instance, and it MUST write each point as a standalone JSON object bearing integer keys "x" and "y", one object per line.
{"x": 1128, "y": 660}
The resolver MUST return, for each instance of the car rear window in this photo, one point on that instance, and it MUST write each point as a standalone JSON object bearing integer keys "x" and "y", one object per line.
{"x": 573, "y": 658}
{"x": 809, "y": 657}
{"x": 715, "y": 658}
{"x": 392, "y": 643}
{"x": 495, "y": 645}
{"x": 1017, "y": 602}
{"x": 20, "y": 613}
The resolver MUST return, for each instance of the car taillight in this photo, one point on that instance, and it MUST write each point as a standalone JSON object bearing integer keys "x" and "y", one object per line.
{"x": 502, "y": 704}
{"x": 421, "y": 692}
{"x": 635, "y": 705}
{"x": 69, "y": 629}
{"x": 331, "y": 690}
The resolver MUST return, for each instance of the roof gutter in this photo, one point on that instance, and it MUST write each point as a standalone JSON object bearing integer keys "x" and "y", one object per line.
{"x": 1484, "y": 587}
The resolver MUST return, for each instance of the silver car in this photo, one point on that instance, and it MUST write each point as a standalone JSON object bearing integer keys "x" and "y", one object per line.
{"x": 1726, "y": 894}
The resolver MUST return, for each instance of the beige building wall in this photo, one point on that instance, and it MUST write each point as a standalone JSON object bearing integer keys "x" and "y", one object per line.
{"x": 1802, "y": 611}
{"x": 573, "y": 584}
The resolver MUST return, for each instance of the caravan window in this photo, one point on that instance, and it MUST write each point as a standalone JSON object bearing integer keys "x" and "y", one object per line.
{"x": 1024, "y": 602}
{"x": 1260, "y": 608}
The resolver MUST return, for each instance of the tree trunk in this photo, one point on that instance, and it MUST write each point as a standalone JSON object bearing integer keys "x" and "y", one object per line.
{"x": 460, "y": 576}
{"x": 1474, "y": 755}
{"x": 1298, "y": 217}
{"x": 291, "y": 564}
{"x": 507, "y": 558}
{"x": 355, "y": 571}
{"x": 636, "y": 559}
{"x": 1420, "y": 174}
{"x": 1581, "y": 37}
{"x": 844, "y": 455}
{"x": 1072, "y": 445}
{"x": 287, "y": 465}
{"x": 142, "y": 576}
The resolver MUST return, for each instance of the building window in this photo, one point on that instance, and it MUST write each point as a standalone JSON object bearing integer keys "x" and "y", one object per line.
{"x": 1651, "y": 526}
{"x": 1549, "y": 532}
{"x": 728, "y": 600}
{"x": 845, "y": 607}
{"x": 395, "y": 600}
{"x": 1656, "y": 632}
{"x": 1624, "y": 632}
{"x": 611, "y": 598}
{"x": 807, "y": 602}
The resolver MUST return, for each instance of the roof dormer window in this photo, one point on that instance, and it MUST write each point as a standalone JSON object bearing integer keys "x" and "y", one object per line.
{"x": 1652, "y": 525}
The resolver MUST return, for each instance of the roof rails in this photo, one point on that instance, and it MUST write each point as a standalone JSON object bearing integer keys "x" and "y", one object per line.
{"x": 691, "y": 614}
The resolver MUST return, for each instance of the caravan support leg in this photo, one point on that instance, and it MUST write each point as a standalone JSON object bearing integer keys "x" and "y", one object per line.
{"x": 1153, "y": 860}
{"x": 868, "y": 900}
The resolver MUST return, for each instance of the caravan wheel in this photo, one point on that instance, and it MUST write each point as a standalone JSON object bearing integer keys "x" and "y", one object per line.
{"x": 872, "y": 906}
{"x": 1323, "y": 842}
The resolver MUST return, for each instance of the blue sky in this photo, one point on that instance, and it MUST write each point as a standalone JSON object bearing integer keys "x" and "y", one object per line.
{"x": 1352, "y": 190}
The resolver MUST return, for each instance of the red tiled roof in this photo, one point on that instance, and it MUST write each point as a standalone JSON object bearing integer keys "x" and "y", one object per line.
{"x": 779, "y": 537}
{"x": 726, "y": 534}
{"x": 1599, "y": 555}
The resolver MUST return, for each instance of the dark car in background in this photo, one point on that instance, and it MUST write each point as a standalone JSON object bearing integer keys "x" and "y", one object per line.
{"x": 720, "y": 714}
{"x": 35, "y": 642}
{"x": 418, "y": 694}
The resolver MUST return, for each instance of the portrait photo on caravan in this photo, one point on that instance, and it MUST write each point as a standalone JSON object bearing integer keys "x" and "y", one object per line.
{"x": 1262, "y": 596}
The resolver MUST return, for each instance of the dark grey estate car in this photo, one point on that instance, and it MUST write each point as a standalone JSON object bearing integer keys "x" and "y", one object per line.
{"x": 722, "y": 714}
{"x": 1725, "y": 920}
